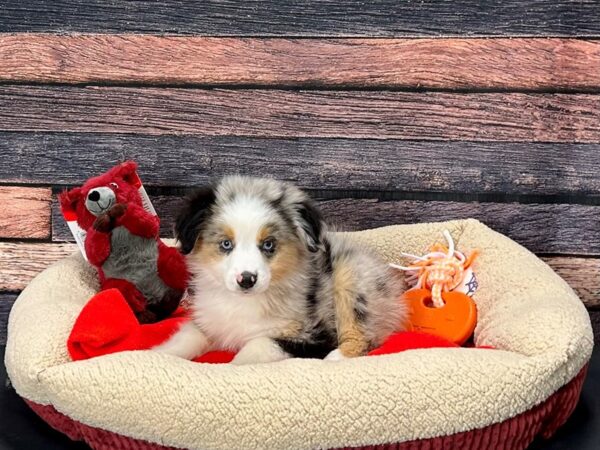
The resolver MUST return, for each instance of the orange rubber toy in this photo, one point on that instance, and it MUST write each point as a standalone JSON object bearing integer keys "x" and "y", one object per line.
{"x": 436, "y": 307}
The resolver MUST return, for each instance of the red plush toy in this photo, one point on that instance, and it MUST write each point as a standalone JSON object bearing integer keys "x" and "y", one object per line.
{"x": 121, "y": 241}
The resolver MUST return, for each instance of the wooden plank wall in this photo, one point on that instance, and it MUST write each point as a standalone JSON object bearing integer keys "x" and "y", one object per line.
{"x": 388, "y": 112}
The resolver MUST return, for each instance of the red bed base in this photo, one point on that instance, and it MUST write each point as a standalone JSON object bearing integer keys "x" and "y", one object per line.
{"x": 512, "y": 434}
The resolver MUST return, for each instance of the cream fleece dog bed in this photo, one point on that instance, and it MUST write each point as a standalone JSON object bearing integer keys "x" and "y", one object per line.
{"x": 539, "y": 328}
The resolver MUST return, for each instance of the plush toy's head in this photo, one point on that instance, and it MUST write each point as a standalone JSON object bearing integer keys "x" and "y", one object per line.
{"x": 119, "y": 185}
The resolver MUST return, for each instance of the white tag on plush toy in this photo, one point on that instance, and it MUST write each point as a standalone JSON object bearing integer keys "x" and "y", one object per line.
{"x": 146, "y": 203}
{"x": 79, "y": 235}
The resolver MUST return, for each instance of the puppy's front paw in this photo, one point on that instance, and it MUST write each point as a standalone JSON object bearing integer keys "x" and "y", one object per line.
{"x": 260, "y": 350}
{"x": 247, "y": 358}
{"x": 167, "y": 348}
{"x": 188, "y": 342}
{"x": 335, "y": 355}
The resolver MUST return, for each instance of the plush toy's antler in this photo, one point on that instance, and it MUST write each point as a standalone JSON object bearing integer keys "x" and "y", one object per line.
{"x": 441, "y": 270}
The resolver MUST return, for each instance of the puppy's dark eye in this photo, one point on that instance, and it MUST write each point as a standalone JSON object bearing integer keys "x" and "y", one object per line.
{"x": 114, "y": 185}
{"x": 226, "y": 245}
{"x": 268, "y": 246}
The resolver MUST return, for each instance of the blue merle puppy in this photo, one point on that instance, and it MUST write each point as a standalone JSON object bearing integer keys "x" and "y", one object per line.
{"x": 269, "y": 282}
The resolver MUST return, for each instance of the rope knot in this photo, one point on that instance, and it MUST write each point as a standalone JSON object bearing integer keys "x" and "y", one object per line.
{"x": 441, "y": 270}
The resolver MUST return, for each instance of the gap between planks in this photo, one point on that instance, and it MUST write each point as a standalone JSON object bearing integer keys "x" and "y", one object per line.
{"x": 20, "y": 262}
{"x": 507, "y": 64}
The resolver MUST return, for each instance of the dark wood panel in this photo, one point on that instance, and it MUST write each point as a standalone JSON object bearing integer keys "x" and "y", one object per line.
{"x": 582, "y": 274}
{"x": 595, "y": 319}
{"x": 21, "y": 261}
{"x": 25, "y": 212}
{"x": 385, "y": 63}
{"x": 6, "y": 302}
{"x": 305, "y": 18}
{"x": 361, "y": 164}
{"x": 272, "y": 113}
{"x": 543, "y": 228}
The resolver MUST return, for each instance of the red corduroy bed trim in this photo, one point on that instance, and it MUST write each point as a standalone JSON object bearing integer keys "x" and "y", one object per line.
{"x": 512, "y": 434}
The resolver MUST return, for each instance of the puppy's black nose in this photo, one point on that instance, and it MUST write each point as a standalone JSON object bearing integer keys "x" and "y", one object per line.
{"x": 246, "y": 280}
{"x": 94, "y": 196}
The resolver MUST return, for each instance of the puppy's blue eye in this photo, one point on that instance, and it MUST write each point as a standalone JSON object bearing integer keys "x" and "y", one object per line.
{"x": 268, "y": 246}
{"x": 226, "y": 245}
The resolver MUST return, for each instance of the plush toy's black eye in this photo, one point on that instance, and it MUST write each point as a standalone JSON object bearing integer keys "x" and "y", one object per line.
{"x": 226, "y": 245}
{"x": 268, "y": 246}
{"x": 114, "y": 185}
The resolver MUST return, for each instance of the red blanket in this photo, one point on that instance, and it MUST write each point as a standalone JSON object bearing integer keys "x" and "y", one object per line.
{"x": 106, "y": 325}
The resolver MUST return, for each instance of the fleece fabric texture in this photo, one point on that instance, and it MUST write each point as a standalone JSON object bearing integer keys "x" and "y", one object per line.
{"x": 540, "y": 330}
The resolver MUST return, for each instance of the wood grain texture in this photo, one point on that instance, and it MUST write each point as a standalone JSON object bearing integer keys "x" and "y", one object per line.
{"x": 360, "y": 164}
{"x": 582, "y": 274}
{"x": 21, "y": 261}
{"x": 543, "y": 228}
{"x": 25, "y": 212}
{"x": 305, "y": 18}
{"x": 272, "y": 113}
{"x": 520, "y": 64}
{"x": 6, "y": 302}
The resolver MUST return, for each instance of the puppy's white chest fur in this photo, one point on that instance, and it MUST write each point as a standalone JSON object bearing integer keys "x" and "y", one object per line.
{"x": 230, "y": 321}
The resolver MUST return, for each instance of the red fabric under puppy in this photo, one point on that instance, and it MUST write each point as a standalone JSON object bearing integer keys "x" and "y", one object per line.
{"x": 107, "y": 325}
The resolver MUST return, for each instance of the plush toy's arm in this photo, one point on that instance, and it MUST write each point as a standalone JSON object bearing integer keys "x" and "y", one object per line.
{"x": 171, "y": 267}
{"x": 139, "y": 221}
{"x": 97, "y": 246}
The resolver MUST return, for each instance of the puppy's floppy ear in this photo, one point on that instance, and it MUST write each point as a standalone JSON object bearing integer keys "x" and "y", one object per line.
{"x": 310, "y": 224}
{"x": 192, "y": 217}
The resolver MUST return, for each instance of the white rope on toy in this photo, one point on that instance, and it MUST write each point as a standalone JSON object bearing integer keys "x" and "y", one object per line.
{"x": 441, "y": 270}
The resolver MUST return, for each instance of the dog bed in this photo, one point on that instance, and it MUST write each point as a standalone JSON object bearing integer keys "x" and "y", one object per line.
{"x": 466, "y": 398}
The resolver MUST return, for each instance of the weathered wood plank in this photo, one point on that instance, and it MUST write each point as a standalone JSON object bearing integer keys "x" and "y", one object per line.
{"x": 543, "y": 228}
{"x": 6, "y": 302}
{"x": 305, "y": 18}
{"x": 386, "y": 63}
{"x": 582, "y": 274}
{"x": 360, "y": 164}
{"x": 20, "y": 262}
{"x": 273, "y": 113}
{"x": 25, "y": 212}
